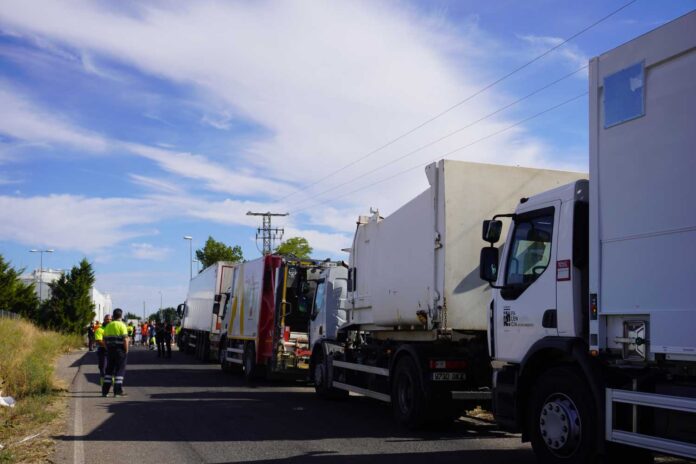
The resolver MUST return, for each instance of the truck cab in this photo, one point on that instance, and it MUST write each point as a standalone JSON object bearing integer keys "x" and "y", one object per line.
{"x": 541, "y": 277}
{"x": 328, "y": 307}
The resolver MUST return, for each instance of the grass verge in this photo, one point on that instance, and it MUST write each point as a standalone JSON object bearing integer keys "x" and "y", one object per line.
{"x": 27, "y": 358}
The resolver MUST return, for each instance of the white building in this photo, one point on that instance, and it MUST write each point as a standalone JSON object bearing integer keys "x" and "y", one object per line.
{"x": 102, "y": 301}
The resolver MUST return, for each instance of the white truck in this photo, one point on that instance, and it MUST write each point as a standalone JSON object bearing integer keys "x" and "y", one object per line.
{"x": 265, "y": 317}
{"x": 200, "y": 320}
{"x": 415, "y": 310}
{"x": 593, "y": 316}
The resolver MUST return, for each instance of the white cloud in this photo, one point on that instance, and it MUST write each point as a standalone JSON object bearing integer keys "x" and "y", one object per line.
{"x": 324, "y": 244}
{"x": 569, "y": 52}
{"x": 215, "y": 176}
{"x": 25, "y": 121}
{"x": 152, "y": 183}
{"x": 148, "y": 251}
{"x": 72, "y": 222}
{"x": 326, "y": 82}
{"x": 222, "y": 120}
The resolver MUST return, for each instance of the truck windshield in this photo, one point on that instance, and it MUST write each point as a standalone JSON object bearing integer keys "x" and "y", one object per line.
{"x": 530, "y": 250}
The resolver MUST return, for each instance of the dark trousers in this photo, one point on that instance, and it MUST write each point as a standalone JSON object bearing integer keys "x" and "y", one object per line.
{"x": 168, "y": 346}
{"x": 160, "y": 346}
{"x": 115, "y": 370}
{"x": 101, "y": 361}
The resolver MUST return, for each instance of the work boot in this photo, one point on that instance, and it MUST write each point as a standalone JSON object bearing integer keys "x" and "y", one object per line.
{"x": 105, "y": 389}
{"x": 119, "y": 392}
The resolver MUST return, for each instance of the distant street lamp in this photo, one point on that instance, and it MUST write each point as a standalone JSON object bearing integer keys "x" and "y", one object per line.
{"x": 160, "y": 311}
{"x": 190, "y": 240}
{"x": 41, "y": 252}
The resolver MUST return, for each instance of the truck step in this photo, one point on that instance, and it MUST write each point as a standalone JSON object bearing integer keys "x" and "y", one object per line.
{"x": 362, "y": 391}
{"x": 651, "y": 400}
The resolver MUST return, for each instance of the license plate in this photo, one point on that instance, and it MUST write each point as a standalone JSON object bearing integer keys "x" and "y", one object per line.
{"x": 449, "y": 376}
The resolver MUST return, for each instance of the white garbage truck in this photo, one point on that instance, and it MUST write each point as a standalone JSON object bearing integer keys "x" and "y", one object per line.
{"x": 415, "y": 310}
{"x": 201, "y": 324}
{"x": 265, "y": 317}
{"x": 593, "y": 315}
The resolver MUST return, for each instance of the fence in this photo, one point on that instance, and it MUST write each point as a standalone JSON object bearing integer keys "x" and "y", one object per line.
{"x": 8, "y": 314}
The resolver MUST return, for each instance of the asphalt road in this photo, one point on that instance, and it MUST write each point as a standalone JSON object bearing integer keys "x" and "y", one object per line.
{"x": 181, "y": 410}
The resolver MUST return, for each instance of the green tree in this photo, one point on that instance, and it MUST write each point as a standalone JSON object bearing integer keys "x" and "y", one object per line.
{"x": 130, "y": 315}
{"x": 295, "y": 246}
{"x": 168, "y": 315}
{"x": 215, "y": 251}
{"x": 15, "y": 295}
{"x": 70, "y": 307}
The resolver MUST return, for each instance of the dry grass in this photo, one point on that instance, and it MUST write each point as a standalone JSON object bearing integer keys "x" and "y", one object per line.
{"x": 27, "y": 357}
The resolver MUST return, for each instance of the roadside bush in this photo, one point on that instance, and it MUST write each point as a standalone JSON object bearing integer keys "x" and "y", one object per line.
{"x": 27, "y": 355}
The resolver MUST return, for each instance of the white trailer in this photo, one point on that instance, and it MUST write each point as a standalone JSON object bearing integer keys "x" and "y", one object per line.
{"x": 593, "y": 313}
{"x": 200, "y": 320}
{"x": 416, "y": 310}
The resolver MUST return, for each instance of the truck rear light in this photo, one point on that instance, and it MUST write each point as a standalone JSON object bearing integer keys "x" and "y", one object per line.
{"x": 563, "y": 270}
{"x": 593, "y": 306}
{"x": 447, "y": 364}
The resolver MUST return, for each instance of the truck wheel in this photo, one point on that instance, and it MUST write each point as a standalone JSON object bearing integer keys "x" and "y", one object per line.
{"x": 408, "y": 400}
{"x": 321, "y": 379}
{"x": 562, "y": 418}
{"x": 249, "y": 362}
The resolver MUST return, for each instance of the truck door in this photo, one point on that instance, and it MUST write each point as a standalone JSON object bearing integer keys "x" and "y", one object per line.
{"x": 525, "y": 307}
{"x": 317, "y": 323}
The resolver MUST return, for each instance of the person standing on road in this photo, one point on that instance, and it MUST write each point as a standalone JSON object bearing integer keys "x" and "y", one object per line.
{"x": 90, "y": 336}
{"x": 167, "y": 340}
{"x": 137, "y": 337}
{"x": 101, "y": 348}
{"x": 116, "y": 340}
{"x": 131, "y": 332}
{"x": 143, "y": 334}
{"x": 152, "y": 330}
{"x": 160, "y": 340}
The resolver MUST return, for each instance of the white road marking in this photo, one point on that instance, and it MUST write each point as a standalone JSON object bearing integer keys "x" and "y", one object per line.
{"x": 79, "y": 445}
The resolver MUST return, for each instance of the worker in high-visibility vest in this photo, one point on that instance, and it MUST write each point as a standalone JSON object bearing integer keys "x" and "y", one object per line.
{"x": 101, "y": 347}
{"x": 117, "y": 343}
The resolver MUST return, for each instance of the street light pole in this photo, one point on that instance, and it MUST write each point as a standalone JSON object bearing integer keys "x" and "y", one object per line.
{"x": 41, "y": 252}
{"x": 160, "y": 311}
{"x": 190, "y": 240}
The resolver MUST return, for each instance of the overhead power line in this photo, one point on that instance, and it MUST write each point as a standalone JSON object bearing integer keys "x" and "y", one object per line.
{"x": 461, "y": 102}
{"x": 493, "y": 134}
{"x": 450, "y": 134}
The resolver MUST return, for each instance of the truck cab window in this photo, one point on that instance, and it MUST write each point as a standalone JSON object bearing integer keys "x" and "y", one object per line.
{"x": 319, "y": 300}
{"x": 530, "y": 250}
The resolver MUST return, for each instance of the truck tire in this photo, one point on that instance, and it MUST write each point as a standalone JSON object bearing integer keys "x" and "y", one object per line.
{"x": 562, "y": 418}
{"x": 408, "y": 399}
{"x": 320, "y": 370}
{"x": 249, "y": 362}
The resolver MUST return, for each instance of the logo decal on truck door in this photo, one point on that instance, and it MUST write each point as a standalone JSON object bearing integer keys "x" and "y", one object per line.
{"x": 510, "y": 319}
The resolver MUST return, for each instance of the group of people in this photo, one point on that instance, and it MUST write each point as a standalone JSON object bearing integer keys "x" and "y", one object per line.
{"x": 113, "y": 338}
{"x": 160, "y": 336}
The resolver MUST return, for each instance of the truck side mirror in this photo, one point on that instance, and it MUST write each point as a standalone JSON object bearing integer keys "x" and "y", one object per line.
{"x": 491, "y": 230}
{"x": 488, "y": 266}
{"x": 180, "y": 311}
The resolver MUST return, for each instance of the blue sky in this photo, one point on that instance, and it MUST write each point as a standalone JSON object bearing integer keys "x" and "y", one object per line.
{"x": 127, "y": 125}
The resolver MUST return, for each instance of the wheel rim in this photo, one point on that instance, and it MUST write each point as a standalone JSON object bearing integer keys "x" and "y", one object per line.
{"x": 405, "y": 394}
{"x": 560, "y": 425}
